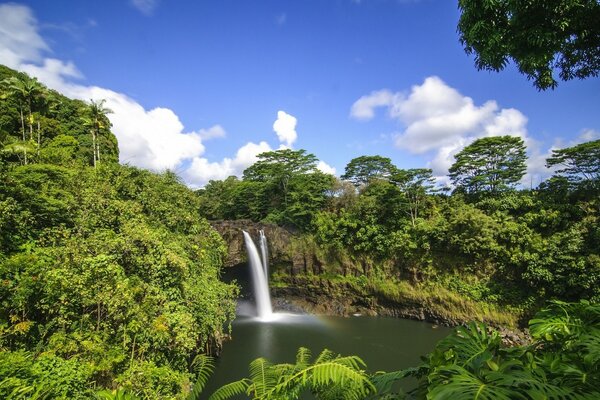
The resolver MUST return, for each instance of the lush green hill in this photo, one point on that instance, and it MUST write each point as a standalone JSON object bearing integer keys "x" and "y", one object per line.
{"x": 108, "y": 275}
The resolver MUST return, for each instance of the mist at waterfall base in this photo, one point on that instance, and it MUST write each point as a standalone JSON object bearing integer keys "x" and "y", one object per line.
{"x": 386, "y": 344}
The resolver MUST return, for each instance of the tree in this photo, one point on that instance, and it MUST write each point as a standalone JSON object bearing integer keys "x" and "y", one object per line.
{"x": 27, "y": 91}
{"x": 95, "y": 118}
{"x": 540, "y": 36}
{"x": 579, "y": 163}
{"x": 361, "y": 170}
{"x": 279, "y": 166}
{"x": 493, "y": 164}
{"x": 415, "y": 184}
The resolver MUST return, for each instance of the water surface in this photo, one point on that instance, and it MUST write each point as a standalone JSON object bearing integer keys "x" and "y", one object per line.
{"x": 383, "y": 343}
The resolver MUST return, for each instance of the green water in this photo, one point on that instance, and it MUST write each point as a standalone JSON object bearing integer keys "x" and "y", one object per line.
{"x": 383, "y": 343}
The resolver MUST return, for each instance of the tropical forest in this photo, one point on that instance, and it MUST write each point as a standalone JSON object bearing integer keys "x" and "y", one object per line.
{"x": 272, "y": 274}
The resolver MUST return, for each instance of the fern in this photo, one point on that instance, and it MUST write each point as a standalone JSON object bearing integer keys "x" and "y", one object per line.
{"x": 303, "y": 356}
{"x": 231, "y": 389}
{"x": 203, "y": 366}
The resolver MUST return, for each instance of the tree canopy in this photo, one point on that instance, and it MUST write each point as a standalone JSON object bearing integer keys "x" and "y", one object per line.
{"x": 540, "y": 36}
{"x": 361, "y": 170}
{"x": 578, "y": 163}
{"x": 492, "y": 164}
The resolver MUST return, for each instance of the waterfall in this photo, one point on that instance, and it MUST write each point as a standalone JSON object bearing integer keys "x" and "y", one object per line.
{"x": 259, "y": 279}
{"x": 264, "y": 252}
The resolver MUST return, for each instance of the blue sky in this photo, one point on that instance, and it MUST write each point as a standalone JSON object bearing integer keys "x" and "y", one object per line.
{"x": 198, "y": 86}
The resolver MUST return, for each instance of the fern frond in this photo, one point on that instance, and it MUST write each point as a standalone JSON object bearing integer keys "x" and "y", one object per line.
{"x": 231, "y": 389}
{"x": 325, "y": 356}
{"x": 329, "y": 373}
{"x": 203, "y": 366}
{"x": 263, "y": 376}
{"x": 456, "y": 383}
{"x": 303, "y": 356}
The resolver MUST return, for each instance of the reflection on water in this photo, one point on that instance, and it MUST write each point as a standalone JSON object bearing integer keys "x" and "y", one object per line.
{"x": 383, "y": 343}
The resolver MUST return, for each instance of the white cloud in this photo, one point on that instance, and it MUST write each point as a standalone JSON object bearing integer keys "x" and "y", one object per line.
{"x": 214, "y": 132}
{"x": 364, "y": 108}
{"x": 19, "y": 39}
{"x": 285, "y": 128}
{"x": 146, "y": 7}
{"x": 326, "y": 168}
{"x": 440, "y": 121}
{"x": 201, "y": 170}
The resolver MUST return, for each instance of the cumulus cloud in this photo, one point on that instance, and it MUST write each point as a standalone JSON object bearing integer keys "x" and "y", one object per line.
{"x": 201, "y": 170}
{"x": 326, "y": 168}
{"x": 19, "y": 39}
{"x": 440, "y": 121}
{"x": 214, "y": 132}
{"x": 285, "y": 128}
{"x": 364, "y": 108}
{"x": 154, "y": 139}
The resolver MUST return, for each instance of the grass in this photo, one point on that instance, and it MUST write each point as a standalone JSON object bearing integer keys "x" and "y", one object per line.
{"x": 439, "y": 300}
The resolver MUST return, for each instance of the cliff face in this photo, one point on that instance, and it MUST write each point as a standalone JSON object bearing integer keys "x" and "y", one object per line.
{"x": 278, "y": 240}
{"x": 286, "y": 249}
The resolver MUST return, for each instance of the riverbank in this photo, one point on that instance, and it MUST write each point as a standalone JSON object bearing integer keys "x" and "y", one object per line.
{"x": 347, "y": 296}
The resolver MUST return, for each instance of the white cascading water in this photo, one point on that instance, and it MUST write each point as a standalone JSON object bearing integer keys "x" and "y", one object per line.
{"x": 259, "y": 280}
{"x": 264, "y": 252}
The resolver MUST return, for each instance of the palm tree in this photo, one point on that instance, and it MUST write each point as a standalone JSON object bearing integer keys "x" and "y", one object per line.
{"x": 95, "y": 118}
{"x": 27, "y": 91}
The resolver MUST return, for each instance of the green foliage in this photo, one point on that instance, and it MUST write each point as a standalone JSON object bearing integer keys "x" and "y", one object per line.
{"x": 540, "y": 36}
{"x": 362, "y": 170}
{"x": 40, "y": 125}
{"x": 491, "y": 164}
{"x": 580, "y": 164}
{"x": 331, "y": 376}
{"x": 282, "y": 187}
{"x": 472, "y": 363}
{"x": 109, "y": 276}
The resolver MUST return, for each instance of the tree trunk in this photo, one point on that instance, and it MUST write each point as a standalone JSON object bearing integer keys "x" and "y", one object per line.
{"x": 23, "y": 130}
{"x": 94, "y": 146}
{"x": 38, "y": 138}
{"x": 98, "y": 146}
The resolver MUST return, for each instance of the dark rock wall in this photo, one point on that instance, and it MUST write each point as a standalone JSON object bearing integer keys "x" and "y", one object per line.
{"x": 278, "y": 240}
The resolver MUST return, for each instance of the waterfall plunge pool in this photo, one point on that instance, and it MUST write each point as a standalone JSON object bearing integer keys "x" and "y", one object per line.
{"x": 387, "y": 344}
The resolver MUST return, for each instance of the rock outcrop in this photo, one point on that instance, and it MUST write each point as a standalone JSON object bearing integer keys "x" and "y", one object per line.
{"x": 278, "y": 240}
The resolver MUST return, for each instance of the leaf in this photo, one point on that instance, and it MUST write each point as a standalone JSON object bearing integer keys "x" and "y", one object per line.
{"x": 204, "y": 366}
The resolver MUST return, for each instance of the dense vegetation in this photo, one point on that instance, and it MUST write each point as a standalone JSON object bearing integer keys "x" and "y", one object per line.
{"x": 488, "y": 241}
{"x": 108, "y": 275}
